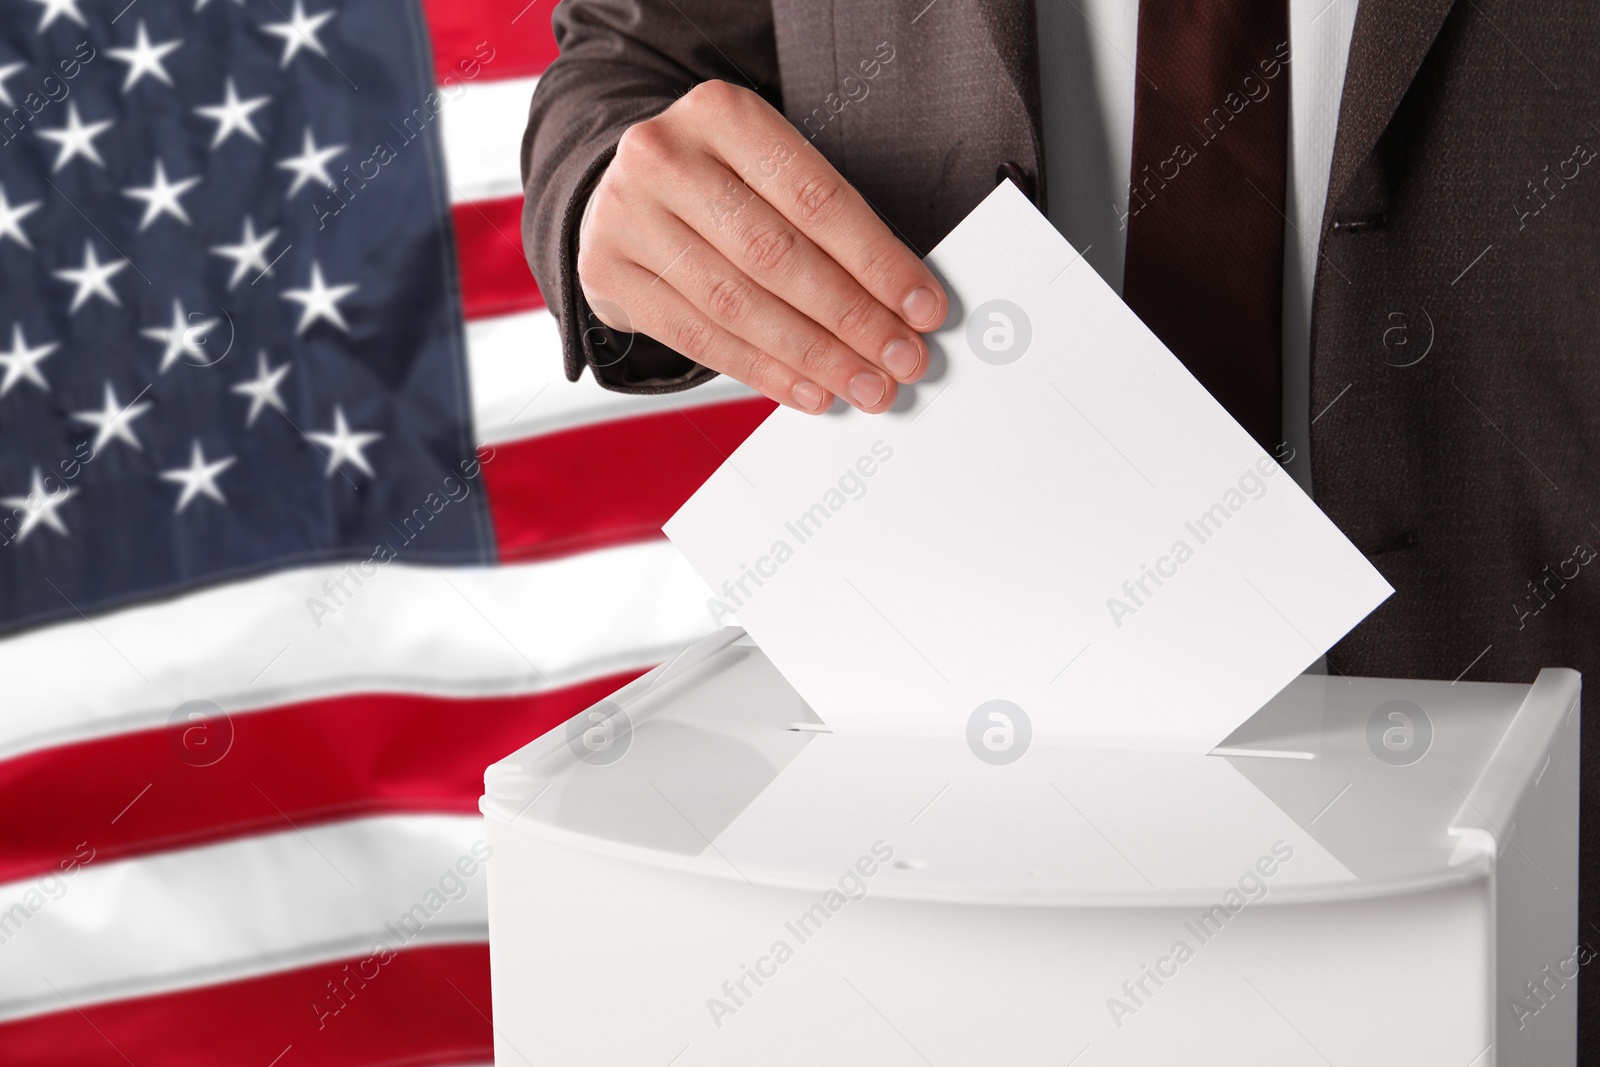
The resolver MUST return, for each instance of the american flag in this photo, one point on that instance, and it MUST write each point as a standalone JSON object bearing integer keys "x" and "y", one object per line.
{"x": 302, "y": 527}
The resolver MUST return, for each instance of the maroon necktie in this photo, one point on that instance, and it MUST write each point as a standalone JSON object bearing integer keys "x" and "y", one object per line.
{"x": 1205, "y": 210}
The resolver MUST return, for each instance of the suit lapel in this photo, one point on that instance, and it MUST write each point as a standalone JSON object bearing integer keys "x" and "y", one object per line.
{"x": 1013, "y": 33}
{"x": 1390, "y": 41}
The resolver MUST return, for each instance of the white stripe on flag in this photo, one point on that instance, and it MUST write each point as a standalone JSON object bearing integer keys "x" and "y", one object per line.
{"x": 482, "y": 131}
{"x": 250, "y": 906}
{"x": 438, "y": 630}
{"x": 519, "y": 389}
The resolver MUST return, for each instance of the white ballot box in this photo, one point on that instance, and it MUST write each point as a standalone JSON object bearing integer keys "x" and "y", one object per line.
{"x": 1367, "y": 872}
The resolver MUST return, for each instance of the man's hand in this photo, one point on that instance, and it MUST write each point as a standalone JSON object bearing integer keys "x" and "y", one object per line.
{"x": 721, "y": 232}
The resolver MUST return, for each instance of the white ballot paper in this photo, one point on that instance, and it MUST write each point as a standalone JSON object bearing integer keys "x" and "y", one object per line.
{"x": 1059, "y": 517}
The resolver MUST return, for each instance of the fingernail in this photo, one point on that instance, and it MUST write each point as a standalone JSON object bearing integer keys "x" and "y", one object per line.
{"x": 868, "y": 389}
{"x": 809, "y": 395}
{"x": 920, "y": 307}
{"x": 901, "y": 358}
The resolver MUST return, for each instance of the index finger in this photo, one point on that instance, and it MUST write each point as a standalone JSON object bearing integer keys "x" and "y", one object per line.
{"x": 805, "y": 188}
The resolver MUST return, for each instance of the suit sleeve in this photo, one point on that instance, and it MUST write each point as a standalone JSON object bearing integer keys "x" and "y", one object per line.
{"x": 621, "y": 61}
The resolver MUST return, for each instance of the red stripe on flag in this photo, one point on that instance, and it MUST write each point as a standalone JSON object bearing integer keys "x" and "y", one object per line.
{"x": 611, "y": 482}
{"x": 489, "y": 38}
{"x": 310, "y": 762}
{"x": 422, "y": 1006}
{"x": 494, "y": 274}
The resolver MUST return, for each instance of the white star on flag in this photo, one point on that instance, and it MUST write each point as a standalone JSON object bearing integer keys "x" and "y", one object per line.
{"x": 199, "y": 477}
{"x": 181, "y": 338}
{"x": 113, "y": 421}
{"x": 311, "y": 164}
{"x": 11, "y": 220}
{"x": 344, "y": 445}
{"x": 39, "y": 506}
{"x": 299, "y": 32}
{"x": 23, "y": 362}
{"x": 320, "y": 301}
{"x": 76, "y": 139}
{"x": 54, "y": 9}
{"x": 161, "y": 197}
{"x": 92, "y": 279}
{"x": 249, "y": 254}
{"x": 6, "y": 71}
{"x": 263, "y": 388}
{"x": 233, "y": 115}
{"x": 145, "y": 58}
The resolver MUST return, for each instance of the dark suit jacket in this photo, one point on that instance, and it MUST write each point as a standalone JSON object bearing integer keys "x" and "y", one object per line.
{"x": 1462, "y": 221}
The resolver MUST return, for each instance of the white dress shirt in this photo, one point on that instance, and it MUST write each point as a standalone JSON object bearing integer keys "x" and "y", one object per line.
{"x": 1086, "y": 55}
